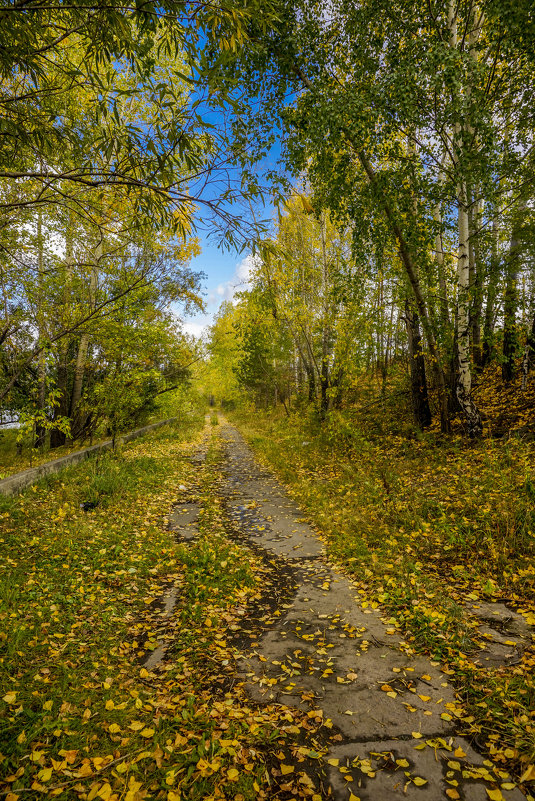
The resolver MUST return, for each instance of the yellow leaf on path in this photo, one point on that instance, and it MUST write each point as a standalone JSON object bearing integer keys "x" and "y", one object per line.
{"x": 495, "y": 795}
{"x": 105, "y": 792}
{"x": 419, "y": 782}
{"x": 417, "y": 734}
{"x": 452, "y": 793}
{"x": 403, "y": 763}
{"x": 233, "y": 774}
{"x": 45, "y": 775}
{"x": 285, "y": 769}
{"x": 459, "y": 753}
{"x": 334, "y": 762}
{"x": 425, "y": 697}
{"x": 392, "y": 694}
{"x": 529, "y": 774}
{"x": 354, "y": 797}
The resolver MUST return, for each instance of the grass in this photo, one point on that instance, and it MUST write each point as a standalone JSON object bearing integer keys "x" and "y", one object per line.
{"x": 80, "y": 606}
{"x": 12, "y": 461}
{"x": 424, "y": 525}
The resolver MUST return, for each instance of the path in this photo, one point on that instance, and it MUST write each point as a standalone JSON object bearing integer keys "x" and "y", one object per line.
{"x": 393, "y": 714}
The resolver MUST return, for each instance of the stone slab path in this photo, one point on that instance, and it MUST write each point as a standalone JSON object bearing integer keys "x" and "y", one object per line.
{"x": 394, "y": 712}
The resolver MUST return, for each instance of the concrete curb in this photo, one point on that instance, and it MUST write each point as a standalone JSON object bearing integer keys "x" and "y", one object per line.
{"x": 19, "y": 481}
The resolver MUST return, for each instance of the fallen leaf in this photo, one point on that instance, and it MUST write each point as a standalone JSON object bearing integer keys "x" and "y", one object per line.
{"x": 529, "y": 774}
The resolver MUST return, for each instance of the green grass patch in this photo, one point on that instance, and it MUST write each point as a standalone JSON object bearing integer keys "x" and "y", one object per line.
{"x": 80, "y": 607}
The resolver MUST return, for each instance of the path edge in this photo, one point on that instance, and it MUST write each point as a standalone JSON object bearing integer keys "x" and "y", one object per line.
{"x": 11, "y": 485}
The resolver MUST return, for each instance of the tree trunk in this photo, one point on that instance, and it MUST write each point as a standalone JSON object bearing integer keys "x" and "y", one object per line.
{"x": 57, "y": 436}
{"x": 529, "y": 355}
{"x": 40, "y": 431}
{"x": 439, "y": 249}
{"x": 311, "y": 381}
{"x": 83, "y": 347}
{"x": 326, "y": 334}
{"x": 492, "y": 289}
{"x": 464, "y": 378}
{"x": 419, "y": 393}
{"x": 510, "y": 338}
{"x": 476, "y": 283}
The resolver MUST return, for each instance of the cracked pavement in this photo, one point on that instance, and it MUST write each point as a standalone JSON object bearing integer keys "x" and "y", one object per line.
{"x": 395, "y": 713}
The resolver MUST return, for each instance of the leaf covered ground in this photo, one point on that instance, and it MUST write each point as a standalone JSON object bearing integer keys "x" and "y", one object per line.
{"x": 426, "y": 526}
{"x": 80, "y": 604}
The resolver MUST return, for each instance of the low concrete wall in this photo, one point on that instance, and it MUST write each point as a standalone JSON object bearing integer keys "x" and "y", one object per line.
{"x": 18, "y": 481}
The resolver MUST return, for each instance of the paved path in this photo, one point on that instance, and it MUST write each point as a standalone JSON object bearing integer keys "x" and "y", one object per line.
{"x": 393, "y": 714}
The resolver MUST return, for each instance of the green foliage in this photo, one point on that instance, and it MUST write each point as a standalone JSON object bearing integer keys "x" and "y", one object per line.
{"x": 32, "y": 419}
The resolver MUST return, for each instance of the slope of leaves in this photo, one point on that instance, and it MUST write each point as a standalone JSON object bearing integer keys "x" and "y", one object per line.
{"x": 425, "y": 526}
{"x": 80, "y": 603}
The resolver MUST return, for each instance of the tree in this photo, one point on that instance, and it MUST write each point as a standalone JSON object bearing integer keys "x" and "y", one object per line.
{"x": 351, "y": 89}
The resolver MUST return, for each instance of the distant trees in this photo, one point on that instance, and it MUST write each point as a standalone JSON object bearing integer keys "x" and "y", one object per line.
{"x": 105, "y": 156}
{"x": 412, "y": 125}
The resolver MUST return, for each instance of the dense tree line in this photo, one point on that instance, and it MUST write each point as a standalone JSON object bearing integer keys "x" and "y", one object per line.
{"x": 412, "y": 130}
{"x": 104, "y": 159}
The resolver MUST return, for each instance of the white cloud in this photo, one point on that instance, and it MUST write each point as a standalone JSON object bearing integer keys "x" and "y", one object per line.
{"x": 195, "y": 329}
{"x": 237, "y": 283}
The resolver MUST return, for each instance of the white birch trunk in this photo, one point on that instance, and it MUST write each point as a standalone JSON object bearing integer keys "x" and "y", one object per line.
{"x": 464, "y": 378}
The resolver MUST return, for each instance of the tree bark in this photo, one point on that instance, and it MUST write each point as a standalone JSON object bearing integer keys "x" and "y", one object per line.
{"x": 57, "y": 436}
{"x": 529, "y": 355}
{"x": 326, "y": 334}
{"x": 83, "y": 347}
{"x": 439, "y": 251}
{"x": 510, "y": 337}
{"x": 492, "y": 289}
{"x": 476, "y": 283}
{"x": 40, "y": 431}
{"x": 419, "y": 392}
{"x": 464, "y": 378}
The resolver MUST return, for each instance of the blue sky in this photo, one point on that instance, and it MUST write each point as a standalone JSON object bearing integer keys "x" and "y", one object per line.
{"x": 225, "y": 272}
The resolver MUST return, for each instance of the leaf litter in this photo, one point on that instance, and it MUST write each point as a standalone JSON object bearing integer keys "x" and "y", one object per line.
{"x": 81, "y": 717}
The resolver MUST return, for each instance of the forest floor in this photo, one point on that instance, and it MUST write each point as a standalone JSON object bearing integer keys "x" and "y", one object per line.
{"x": 194, "y": 637}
